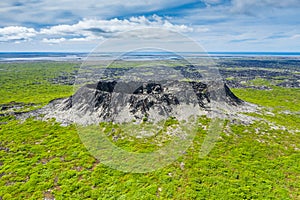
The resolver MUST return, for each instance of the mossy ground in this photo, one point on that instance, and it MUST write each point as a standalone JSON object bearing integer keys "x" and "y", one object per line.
{"x": 45, "y": 160}
{"x": 33, "y": 82}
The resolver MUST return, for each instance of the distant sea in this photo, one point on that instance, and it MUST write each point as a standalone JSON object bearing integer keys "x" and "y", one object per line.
{"x": 71, "y": 56}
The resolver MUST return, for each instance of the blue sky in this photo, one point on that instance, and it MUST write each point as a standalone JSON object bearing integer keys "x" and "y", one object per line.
{"x": 217, "y": 25}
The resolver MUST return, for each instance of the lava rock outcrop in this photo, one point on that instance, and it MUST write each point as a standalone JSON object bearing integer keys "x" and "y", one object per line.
{"x": 113, "y": 101}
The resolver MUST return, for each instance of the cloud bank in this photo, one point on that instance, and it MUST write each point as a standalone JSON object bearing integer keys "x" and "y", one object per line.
{"x": 219, "y": 25}
{"x": 16, "y": 34}
{"x": 87, "y": 30}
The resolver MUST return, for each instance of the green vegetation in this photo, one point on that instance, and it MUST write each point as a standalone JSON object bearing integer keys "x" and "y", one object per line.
{"x": 41, "y": 159}
{"x": 132, "y": 64}
{"x": 265, "y": 82}
{"x": 277, "y": 98}
{"x": 33, "y": 82}
{"x": 259, "y": 82}
{"x": 230, "y": 78}
{"x": 45, "y": 158}
{"x": 281, "y": 105}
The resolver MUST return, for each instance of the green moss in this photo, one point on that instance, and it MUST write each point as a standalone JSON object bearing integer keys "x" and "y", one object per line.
{"x": 32, "y": 82}
{"x": 44, "y": 156}
{"x": 278, "y": 98}
{"x": 43, "y": 159}
{"x": 259, "y": 82}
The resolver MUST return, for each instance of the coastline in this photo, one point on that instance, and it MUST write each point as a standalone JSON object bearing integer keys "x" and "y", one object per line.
{"x": 8, "y": 57}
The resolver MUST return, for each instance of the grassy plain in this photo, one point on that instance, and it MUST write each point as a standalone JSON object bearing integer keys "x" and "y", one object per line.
{"x": 43, "y": 160}
{"x": 34, "y": 82}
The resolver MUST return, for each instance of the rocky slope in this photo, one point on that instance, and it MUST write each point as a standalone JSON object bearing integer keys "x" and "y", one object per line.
{"x": 144, "y": 101}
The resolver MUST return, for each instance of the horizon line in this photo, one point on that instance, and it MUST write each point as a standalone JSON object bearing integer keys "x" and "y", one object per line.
{"x": 87, "y": 52}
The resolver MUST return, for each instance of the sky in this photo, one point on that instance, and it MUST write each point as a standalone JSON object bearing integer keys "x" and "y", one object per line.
{"x": 216, "y": 25}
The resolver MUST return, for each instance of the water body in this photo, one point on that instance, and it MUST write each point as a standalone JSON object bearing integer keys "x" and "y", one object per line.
{"x": 74, "y": 56}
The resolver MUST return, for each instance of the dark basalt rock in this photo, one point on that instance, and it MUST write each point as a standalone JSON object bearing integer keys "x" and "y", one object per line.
{"x": 127, "y": 101}
{"x": 14, "y": 106}
{"x": 235, "y": 99}
{"x": 111, "y": 100}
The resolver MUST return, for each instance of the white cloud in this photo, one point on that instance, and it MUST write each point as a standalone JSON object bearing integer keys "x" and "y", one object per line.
{"x": 54, "y": 41}
{"x": 89, "y": 29}
{"x": 82, "y": 39}
{"x": 92, "y": 29}
{"x": 70, "y": 11}
{"x": 253, "y": 6}
{"x": 105, "y": 27}
{"x": 68, "y": 22}
{"x": 16, "y": 33}
{"x": 211, "y": 2}
{"x": 296, "y": 36}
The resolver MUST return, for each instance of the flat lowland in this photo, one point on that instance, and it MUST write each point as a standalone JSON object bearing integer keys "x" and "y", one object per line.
{"x": 47, "y": 160}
